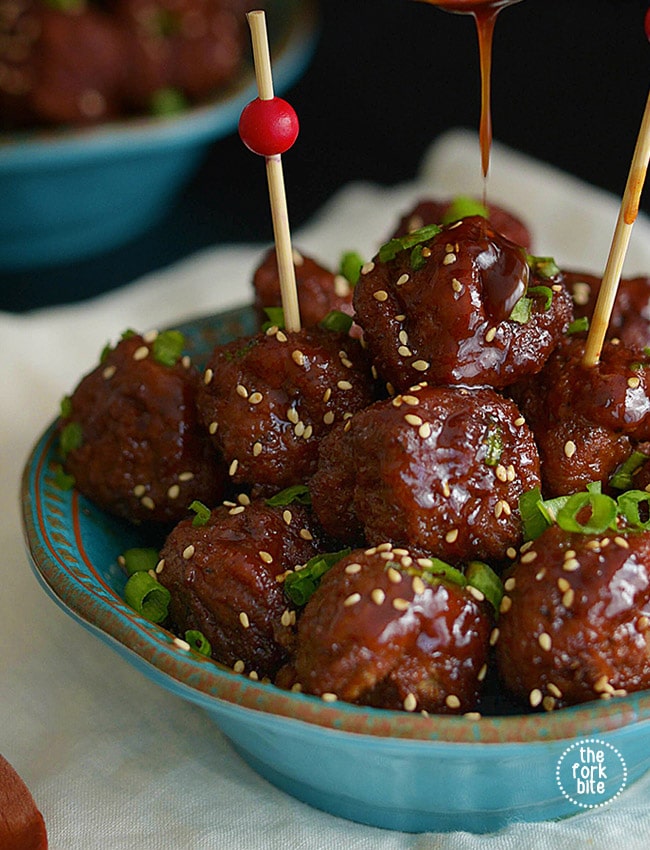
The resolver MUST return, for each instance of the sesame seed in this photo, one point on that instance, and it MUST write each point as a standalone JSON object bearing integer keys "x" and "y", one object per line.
{"x": 150, "y": 336}
{"x": 544, "y": 640}
{"x": 341, "y": 286}
{"x": 148, "y": 503}
{"x": 280, "y": 336}
{"x": 449, "y": 258}
{"x": 568, "y": 597}
{"x": 257, "y": 449}
{"x": 285, "y": 619}
{"x": 540, "y": 575}
{"x": 173, "y": 492}
{"x": 160, "y": 566}
{"x": 420, "y": 365}
{"x": 548, "y": 703}
{"x": 418, "y": 585}
{"x": 108, "y": 372}
{"x": 400, "y": 604}
{"x": 535, "y": 697}
{"x": 424, "y": 431}
{"x": 377, "y": 595}
{"x": 506, "y": 604}
{"x": 188, "y": 552}
{"x": 253, "y": 675}
{"x": 299, "y": 429}
{"x": 494, "y": 636}
{"x": 366, "y": 268}
{"x": 633, "y": 382}
{"x": 569, "y": 448}
{"x": 293, "y": 416}
{"x": 602, "y": 685}
{"x": 571, "y": 565}
{"x": 239, "y": 666}
{"x": 519, "y": 421}
{"x": 287, "y": 516}
{"x": 482, "y": 673}
{"x": 352, "y": 599}
{"x": 501, "y": 473}
{"x": 298, "y": 357}
{"x": 489, "y": 336}
{"x": 554, "y": 690}
{"x": 403, "y": 337}
{"x": 352, "y": 569}
{"x": 212, "y": 428}
{"x": 563, "y": 584}
{"x": 267, "y": 557}
{"x": 402, "y": 279}
{"x": 452, "y": 701}
{"x": 404, "y": 351}
{"x": 622, "y": 542}
{"x": 328, "y": 697}
{"x": 328, "y": 418}
{"x": 394, "y": 576}
{"x": 410, "y": 702}
{"x": 642, "y": 623}
{"x": 181, "y": 644}
{"x": 456, "y": 285}
{"x": 384, "y": 547}
{"x": 510, "y": 472}
{"x": 510, "y": 583}
{"x": 529, "y": 557}
{"x": 380, "y": 295}
{"x": 511, "y": 553}
{"x": 327, "y": 395}
{"x": 344, "y": 385}
{"x": 139, "y": 490}
{"x": 243, "y": 619}
{"x": 306, "y": 534}
{"x": 446, "y": 490}
{"x": 452, "y": 536}
{"x": 232, "y": 469}
{"x": 208, "y": 375}
{"x": 238, "y": 509}
{"x": 411, "y": 400}
{"x": 475, "y": 593}
{"x": 256, "y": 398}
{"x": 141, "y": 352}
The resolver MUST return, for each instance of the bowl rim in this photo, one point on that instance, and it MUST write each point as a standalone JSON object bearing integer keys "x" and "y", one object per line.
{"x": 293, "y": 43}
{"x": 65, "y": 570}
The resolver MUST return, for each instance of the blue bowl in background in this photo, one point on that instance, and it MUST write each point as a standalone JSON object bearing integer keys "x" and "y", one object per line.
{"x": 68, "y": 194}
{"x": 390, "y": 769}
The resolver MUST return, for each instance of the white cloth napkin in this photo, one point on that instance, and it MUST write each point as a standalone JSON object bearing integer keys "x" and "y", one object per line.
{"x": 113, "y": 761}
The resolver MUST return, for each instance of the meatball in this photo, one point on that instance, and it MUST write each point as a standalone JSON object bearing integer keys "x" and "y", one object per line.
{"x": 225, "y": 580}
{"x": 574, "y": 626}
{"x": 384, "y": 630}
{"x": 630, "y": 318}
{"x": 439, "y": 469}
{"x": 442, "y": 309}
{"x": 268, "y": 400}
{"x": 586, "y": 421}
{"x": 319, "y": 291}
{"x": 130, "y": 433}
{"x": 59, "y": 65}
{"x": 430, "y": 211}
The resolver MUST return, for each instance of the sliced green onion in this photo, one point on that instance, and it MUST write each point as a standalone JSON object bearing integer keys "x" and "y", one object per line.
{"x": 167, "y": 347}
{"x": 139, "y": 559}
{"x": 336, "y": 320}
{"x": 401, "y": 243}
{"x": 438, "y": 570}
{"x": 106, "y": 350}
{"x": 601, "y": 510}
{"x": 483, "y": 578}
{"x": 66, "y": 407}
{"x": 128, "y": 333}
{"x": 147, "y": 596}
{"x": 545, "y": 267}
{"x": 275, "y": 316}
{"x": 350, "y": 267}
{"x": 168, "y": 101}
{"x": 71, "y": 438}
{"x": 296, "y": 494}
{"x": 533, "y": 521}
{"x": 628, "y": 505}
{"x": 462, "y": 207}
{"x": 578, "y": 326}
{"x": 301, "y": 584}
{"x": 549, "y": 508}
{"x": 622, "y": 477}
{"x": 546, "y": 291}
{"x": 62, "y": 480}
{"x": 522, "y": 311}
{"x": 494, "y": 442}
{"x": 202, "y": 513}
{"x": 199, "y": 642}
{"x": 418, "y": 260}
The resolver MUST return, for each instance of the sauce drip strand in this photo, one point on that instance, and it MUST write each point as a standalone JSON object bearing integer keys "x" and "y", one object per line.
{"x": 485, "y": 14}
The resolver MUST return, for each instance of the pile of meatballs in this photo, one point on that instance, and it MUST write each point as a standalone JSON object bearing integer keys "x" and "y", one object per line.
{"x": 81, "y": 62}
{"x": 377, "y": 461}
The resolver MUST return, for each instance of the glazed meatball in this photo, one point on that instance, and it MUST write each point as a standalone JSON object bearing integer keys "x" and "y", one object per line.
{"x": 630, "y": 318}
{"x": 225, "y": 580}
{"x": 131, "y": 436}
{"x": 320, "y": 291}
{"x": 59, "y": 65}
{"x": 574, "y": 626}
{"x": 269, "y": 399}
{"x": 438, "y": 468}
{"x": 441, "y": 309}
{"x": 586, "y": 421}
{"x": 384, "y": 630}
{"x": 430, "y": 211}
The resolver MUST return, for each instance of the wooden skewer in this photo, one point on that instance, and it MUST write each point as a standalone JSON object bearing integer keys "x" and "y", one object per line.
{"x": 275, "y": 179}
{"x": 627, "y": 216}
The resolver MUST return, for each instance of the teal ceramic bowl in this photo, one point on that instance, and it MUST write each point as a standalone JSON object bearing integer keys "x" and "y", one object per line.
{"x": 388, "y": 769}
{"x": 69, "y": 194}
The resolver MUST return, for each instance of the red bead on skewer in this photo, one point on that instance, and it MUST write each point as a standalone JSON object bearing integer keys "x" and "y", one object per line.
{"x": 268, "y": 127}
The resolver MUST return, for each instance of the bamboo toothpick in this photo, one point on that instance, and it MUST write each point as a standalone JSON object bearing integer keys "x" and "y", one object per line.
{"x": 275, "y": 178}
{"x": 627, "y": 216}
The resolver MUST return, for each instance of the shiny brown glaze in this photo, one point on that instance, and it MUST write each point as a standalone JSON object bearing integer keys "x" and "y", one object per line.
{"x": 630, "y": 318}
{"x": 144, "y": 455}
{"x": 428, "y": 211}
{"x": 574, "y": 625}
{"x": 375, "y": 634}
{"x": 224, "y": 580}
{"x": 268, "y": 400}
{"x": 586, "y": 421}
{"x": 438, "y": 468}
{"x": 319, "y": 290}
{"x": 447, "y": 322}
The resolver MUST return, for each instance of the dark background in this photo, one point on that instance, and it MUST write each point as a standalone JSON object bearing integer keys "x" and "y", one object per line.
{"x": 570, "y": 82}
